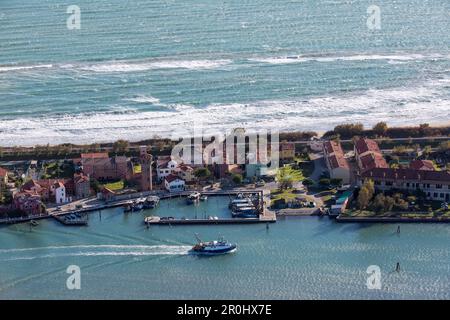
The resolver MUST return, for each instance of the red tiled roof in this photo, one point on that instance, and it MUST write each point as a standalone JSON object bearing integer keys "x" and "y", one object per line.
{"x": 373, "y": 160}
{"x": 30, "y": 184}
{"x": 364, "y": 145}
{"x": 171, "y": 177}
{"x": 337, "y": 161}
{"x": 422, "y": 165}
{"x": 97, "y": 155}
{"x": 407, "y": 174}
{"x": 332, "y": 146}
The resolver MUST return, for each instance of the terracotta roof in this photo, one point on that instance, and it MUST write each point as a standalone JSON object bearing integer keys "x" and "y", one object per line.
{"x": 97, "y": 155}
{"x": 31, "y": 184}
{"x": 171, "y": 177}
{"x": 373, "y": 160}
{"x": 332, "y": 147}
{"x": 337, "y": 161}
{"x": 422, "y": 165}
{"x": 407, "y": 174}
{"x": 364, "y": 145}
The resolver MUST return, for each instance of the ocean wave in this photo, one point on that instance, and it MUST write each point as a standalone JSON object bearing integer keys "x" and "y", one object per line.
{"x": 144, "y": 99}
{"x": 132, "y": 66}
{"x": 356, "y": 57}
{"x": 427, "y": 102}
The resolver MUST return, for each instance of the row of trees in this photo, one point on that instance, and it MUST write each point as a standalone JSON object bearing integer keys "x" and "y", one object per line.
{"x": 381, "y": 129}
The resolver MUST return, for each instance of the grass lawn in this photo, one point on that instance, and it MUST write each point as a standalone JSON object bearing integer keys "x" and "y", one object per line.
{"x": 137, "y": 168}
{"x": 115, "y": 186}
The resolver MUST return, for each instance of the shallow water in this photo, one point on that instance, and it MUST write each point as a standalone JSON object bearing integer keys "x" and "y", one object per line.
{"x": 296, "y": 258}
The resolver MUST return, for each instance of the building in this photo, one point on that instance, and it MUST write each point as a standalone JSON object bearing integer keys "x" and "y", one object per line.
{"x": 287, "y": 151}
{"x": 422, "y": 165}
{"x": 146, "y": 161}
{"x": 82, "y": 186}
{"x": 101, "y": 167}
{"x": 435, "y": 184}
{"x": 165, "y": 166}
{"x": 3, "y": 179}
{"x": 173, "y": 183}
{"x": 185, "y": 172}
{"x": 368, "y": 155}
{"x": 28, "y": 203}
{"x": 336, "y": 163}
{"x": 52, "y": 190}
{"x": 59, "y": 192}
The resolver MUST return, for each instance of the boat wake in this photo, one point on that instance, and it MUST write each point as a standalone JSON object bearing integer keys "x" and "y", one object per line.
{"x": 90, "y": 250}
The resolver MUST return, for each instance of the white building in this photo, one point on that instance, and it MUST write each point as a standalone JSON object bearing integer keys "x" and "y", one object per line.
{"x": 173, "y": 183}
{"x": 59, "y": 190}
{"x": 165, "y": 167}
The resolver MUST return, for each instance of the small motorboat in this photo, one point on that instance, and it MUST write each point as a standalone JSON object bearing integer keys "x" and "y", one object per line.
{"x": 210, "y": 248}
{"x": 193, "y": 197}
{"x": 204, "y": 197}
{"x": 34, "y": 223}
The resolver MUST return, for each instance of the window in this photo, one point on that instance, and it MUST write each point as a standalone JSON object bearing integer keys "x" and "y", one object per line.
{"x": 439, "y": 186}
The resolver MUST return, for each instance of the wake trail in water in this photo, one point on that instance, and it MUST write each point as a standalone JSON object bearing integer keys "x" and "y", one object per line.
{"x": 91, "y": 250}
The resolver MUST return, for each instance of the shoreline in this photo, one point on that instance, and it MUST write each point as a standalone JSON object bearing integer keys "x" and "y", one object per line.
{"x": 156, "y": 138}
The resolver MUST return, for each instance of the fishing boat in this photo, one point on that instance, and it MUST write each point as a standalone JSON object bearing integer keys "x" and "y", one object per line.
{"x": 193, "y": 197}
{"x": 211, "y": 248}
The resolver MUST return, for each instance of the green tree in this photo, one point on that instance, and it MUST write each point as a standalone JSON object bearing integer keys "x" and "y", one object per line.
{"x": 237, "y": 178}
{"x": 308, "y": 182}
{"x": 121, "y": 146}
{"x": 380, "y": 128}
{"x": 336, "y": 182}
{"x": 286, "y": 176}
{"x": 202, "y": 173}
{"x": 363, "y": 198}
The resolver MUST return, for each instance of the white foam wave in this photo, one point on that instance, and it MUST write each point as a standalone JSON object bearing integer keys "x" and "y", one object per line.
{"x": 357, "y": 57}
{"x": 416, "y": 104}
{"x": 131, "y": 66}
{"x": 144, "y": 99}
{"x": 25, "y": 68}
{"x": 93, "y": 250}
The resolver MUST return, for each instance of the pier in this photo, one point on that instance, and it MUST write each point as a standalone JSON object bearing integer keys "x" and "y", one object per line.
{"x": 159, "y": 221}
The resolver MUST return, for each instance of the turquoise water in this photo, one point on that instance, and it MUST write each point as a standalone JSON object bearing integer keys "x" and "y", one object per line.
{"x": 297, "y": 258}
{"x": 140, "y": 68}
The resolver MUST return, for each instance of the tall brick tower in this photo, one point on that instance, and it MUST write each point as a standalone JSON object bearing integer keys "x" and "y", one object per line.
{"x": 146, "y": 160}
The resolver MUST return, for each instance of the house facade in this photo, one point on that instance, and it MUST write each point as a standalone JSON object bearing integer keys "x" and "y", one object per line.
{"x": 173, "y": 183}
{"x": 28, "y": 203}
{"x": 3, "y": 179}
{"x": 287, "y": 151}
{"x": 101, "y": 167}
{"x": 336, "y": 163}
{"x": 435, "y": 184}
{"x": 165, "y": 166}
{"x": 82, "y": 186}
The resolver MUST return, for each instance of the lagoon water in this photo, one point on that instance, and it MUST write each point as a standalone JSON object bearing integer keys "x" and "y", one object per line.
{"x": 143, "y": 68}
{"x": 305, "y": 258}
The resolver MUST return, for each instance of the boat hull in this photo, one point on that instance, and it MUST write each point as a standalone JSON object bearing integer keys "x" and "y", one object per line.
{"x": 214, "y": 252}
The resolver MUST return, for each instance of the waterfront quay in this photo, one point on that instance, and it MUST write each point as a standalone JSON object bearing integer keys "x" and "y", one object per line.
{"x": 94, "y": 205}
{"x": 266, "y": 215}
